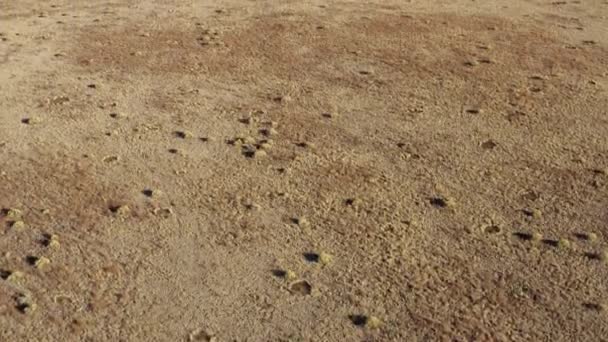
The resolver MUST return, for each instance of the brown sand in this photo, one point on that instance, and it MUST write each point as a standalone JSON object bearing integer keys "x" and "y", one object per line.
{"x": 304, "y": 171}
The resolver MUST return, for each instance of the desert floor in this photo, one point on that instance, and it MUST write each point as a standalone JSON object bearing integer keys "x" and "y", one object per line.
{"x": 304, "y": 170}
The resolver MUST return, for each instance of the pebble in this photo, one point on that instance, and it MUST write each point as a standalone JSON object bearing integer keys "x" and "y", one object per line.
{"x": 564, "y": 243}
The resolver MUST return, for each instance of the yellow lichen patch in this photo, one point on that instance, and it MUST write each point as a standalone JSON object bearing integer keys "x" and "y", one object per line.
{"x": 17, "y": 225}
{"x": 15, "y": 276}
{"x": 260, "y": 154}
{"x": 301, "y": 221}
{"x": 53, "y": 242}
{"x": 373, "y": 322}
{"x": 121, "y": 210}
{"x": 536, "y": 237}
{"x": 325, "y": 258}
{"x": 25, "y": 304}
{"x": 290, "y": 275}
{"x": 604, "y": 255}
{"x": 13, "y": 213}
{"x": 564, "y": 243}
{"x": 33, "y": 120}
{"x": 42, "y": 262}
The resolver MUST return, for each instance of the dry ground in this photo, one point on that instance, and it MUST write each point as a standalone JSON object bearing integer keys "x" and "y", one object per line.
{"x": 304, "y": 170}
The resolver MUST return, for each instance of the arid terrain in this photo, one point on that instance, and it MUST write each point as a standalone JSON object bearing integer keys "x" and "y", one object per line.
{"x": 271, "y": 170}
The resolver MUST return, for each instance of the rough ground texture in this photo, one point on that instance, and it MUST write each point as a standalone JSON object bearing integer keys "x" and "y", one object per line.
{"x": 304, "y": 170}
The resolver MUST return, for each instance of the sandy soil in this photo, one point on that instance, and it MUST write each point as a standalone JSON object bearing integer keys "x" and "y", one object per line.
{"x": 304, "y": 170}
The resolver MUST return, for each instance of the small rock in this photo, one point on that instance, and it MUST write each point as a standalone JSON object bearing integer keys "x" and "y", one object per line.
{"x": 536, "y": 236}
{"x": 301, "y": 221}
{"x": 325, "y": 258}
{"x": 15, "y": 276}
{"x": 13, "y": 213}
{"x": 117, "y": 115}
{"x": 34, "y": 120}
{"x": 18, "y": 225}
{"x": 290, "y": 275}
{"x": 564, "y": 243}
{"x": 373, "y": 322}
{"x": 51, "y": 241}
{"x": 265, "y": 144}
{"x": 260, "y": 154}
{"x": 25, "y": 304}
{"x": 42, "y": 262}
{"x": 534, "y": 213}
{"x": 183, "y": 134}
{"x": 152, "y": 193}
{"x": 285, "y": 274}
{"x": 120, "y": 210}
